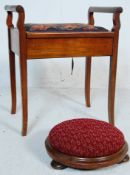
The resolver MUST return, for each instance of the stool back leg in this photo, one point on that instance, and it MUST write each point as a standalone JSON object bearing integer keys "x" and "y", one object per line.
{"x": 12, "y": 63}
{"x": 13, "y": 81}
{"x": 87, "y": 80}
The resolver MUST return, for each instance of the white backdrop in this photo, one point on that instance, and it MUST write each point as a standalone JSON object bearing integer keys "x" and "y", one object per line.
{"x": 57, "y": 72}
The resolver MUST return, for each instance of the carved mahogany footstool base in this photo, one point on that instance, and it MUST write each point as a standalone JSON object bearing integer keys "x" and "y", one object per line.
{"x": 86, "y": 144}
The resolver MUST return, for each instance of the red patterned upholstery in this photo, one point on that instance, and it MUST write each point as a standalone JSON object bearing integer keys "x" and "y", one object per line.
{"x": 68, "y": 27}
{"x": 86, "y": 138}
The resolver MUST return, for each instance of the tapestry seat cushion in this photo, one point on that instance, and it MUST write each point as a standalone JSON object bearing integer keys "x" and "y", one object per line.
{"x": 66, "y": 27}
{"x": 88, "y": 138}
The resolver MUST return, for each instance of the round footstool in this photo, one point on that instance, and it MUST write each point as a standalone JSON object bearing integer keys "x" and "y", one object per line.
{"x": 86, "y": 144}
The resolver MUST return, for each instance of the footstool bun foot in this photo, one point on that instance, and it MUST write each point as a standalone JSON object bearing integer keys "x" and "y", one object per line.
{"x": 126, "y": 159}
{"x": 57, "y": 165}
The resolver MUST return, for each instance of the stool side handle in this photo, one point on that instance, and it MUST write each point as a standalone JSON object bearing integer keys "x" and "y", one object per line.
{"x": 14, "y": 8}
{"x": 106, "y": 9}
{"x": 116, "y": 15}
{"x": 21, "y": 15}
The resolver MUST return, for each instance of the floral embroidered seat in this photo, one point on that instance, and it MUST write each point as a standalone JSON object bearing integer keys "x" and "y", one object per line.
{"x": 66, "y": 27}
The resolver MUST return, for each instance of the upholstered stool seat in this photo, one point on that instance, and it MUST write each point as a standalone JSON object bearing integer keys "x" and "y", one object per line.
{"x": 86, "y": 144}
{"x": 65, "y": 27}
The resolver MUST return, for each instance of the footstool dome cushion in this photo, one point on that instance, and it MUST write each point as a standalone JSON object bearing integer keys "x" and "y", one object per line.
{"x": 86, "y": 138}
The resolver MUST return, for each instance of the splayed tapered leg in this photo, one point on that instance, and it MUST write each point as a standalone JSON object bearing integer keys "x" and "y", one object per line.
{"x": 12, "y": 81}
{"x": 23, "y": 73}
{"x": 112, "y": 86}
{"x": 87, "y": 80}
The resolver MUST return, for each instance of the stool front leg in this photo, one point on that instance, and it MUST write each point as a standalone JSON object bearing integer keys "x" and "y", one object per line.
{"x": 113, "y": 59}
{"x": 24, "y": 94}
{"x": 112, "y": 86}
{"x": 113, "y": 66}
{"x": 87, "y": 80}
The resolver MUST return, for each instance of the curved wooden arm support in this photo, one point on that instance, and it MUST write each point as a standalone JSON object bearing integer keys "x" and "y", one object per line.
{"x": 116, "y": 15}
{"x": 21, "y": 15}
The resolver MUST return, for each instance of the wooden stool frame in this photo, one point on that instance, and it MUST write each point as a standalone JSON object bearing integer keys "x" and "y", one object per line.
{"x": 30, "y": 45}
